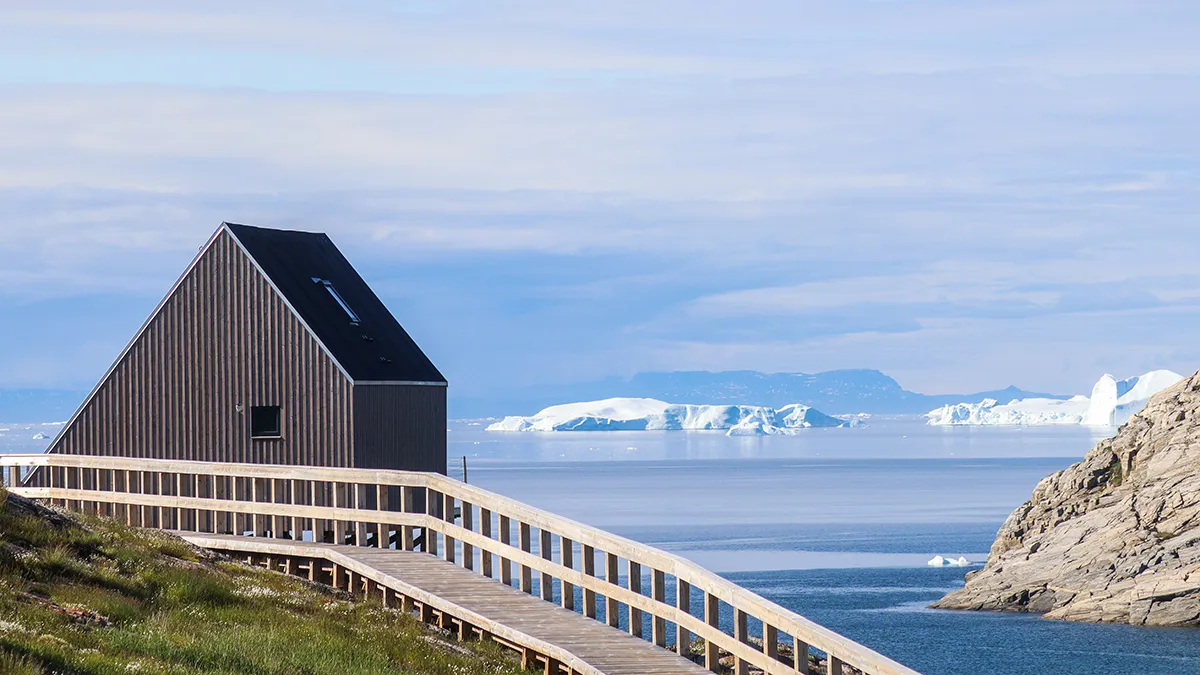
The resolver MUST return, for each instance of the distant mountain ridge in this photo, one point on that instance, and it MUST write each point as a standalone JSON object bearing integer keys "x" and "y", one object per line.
{"x": 834, "y": 392}
{"x": 837, "y": 392}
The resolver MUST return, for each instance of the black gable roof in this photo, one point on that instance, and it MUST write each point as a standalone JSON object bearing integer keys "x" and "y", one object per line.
{"x": 304, "y": 266}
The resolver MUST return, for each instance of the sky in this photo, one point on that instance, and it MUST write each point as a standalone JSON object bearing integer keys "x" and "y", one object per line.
{"x": 963, "y": 194}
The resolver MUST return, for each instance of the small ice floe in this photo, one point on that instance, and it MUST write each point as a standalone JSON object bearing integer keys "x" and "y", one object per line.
{"x": 39, "y": 437}
{"x": 939, "y": 561}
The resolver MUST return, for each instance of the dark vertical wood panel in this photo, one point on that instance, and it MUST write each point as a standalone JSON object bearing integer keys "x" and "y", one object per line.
{"x": 223, "y": 338}
{"x": 400, "y": 427}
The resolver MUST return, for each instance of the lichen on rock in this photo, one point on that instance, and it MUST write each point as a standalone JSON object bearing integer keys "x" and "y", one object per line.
{"x": 1113, "y": 538}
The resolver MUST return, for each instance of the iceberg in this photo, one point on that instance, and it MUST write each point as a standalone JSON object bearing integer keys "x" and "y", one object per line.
{"x": 648, "y": 414}
{"x": 939, "y": 561}
{"x": 1115, "y": 401}
{"x": 1112, "y": 403}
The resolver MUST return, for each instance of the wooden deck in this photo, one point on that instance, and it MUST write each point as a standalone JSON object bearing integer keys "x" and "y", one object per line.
{"x": 486, "y": 603}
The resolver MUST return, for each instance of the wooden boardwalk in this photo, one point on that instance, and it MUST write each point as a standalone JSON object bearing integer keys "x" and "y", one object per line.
{"x": 484, "y": 602}
{"x": 451, "y": 540}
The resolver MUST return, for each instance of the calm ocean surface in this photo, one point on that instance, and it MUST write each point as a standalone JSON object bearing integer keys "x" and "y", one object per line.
{"x": 836, "y": 524}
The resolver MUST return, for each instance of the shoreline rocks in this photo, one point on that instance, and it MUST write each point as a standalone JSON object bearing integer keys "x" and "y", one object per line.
{"x": 1114, "y": 538}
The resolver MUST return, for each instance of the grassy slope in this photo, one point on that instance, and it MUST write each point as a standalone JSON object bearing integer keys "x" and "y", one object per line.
{"x": 87, "y": 595}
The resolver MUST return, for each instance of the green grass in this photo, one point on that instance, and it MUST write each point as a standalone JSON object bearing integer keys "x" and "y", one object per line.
{"x": 93, "y": 596}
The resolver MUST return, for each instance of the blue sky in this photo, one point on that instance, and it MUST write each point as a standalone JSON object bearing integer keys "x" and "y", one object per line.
{"x": 962, "y": 194}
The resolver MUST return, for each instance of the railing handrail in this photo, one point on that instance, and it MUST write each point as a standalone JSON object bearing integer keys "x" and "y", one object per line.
{"x": 685, "y": 570}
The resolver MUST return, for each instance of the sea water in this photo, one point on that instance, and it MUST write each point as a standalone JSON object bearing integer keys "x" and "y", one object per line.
{"x": 835, "y": 524}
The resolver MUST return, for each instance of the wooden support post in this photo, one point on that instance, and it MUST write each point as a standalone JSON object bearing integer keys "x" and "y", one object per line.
{"x": 485, "y": 528}
{"x": 253, "y": 517}
{"x": 197, "y": 515}
{"x": 612, "y": 609}
{"x": 800, "y": 653}
{"x": 408, "y": 605}
{"x": 178, "y": 515}
{"x": 448, "y": 516}
{"x": 427, "y": 614}
{"x": 525, "y": 537}
{"x": 566, "y": 556}
{"x": 658, "y": 590}
{"x": 683, "y": 601}
{"x": 407, "y": 505}
{"x": 297, "y": 495}
{"x": 384, "y": 538}
{"x": 712, "y": 616}
{"x": 433, "y": 500}
{"x": 337, "y": 528}
{"x": 468, "y": 523}
{"x": 361, "y": 528}
{"x": 506, "y": 574}
{"x": 220, "y": 491}
{"x": 835, "y": 666}
{"x": 635, "y": 585}
{"x": 146, "y": 517}
{"x": 318, "y": 524}
{"x": 314, "y": 570}
{"x": 741, "y": 632}
{"x": 339, "y": 577}
{"x": 546, "y": 549}
{"x": 770, "y": 641}
{"x": 589, "y": 568}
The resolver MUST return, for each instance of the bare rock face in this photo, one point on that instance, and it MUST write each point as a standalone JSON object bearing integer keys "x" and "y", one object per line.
{"x": 1114, "y": 538}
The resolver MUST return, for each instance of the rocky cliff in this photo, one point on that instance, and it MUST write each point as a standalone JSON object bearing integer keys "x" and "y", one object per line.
{"x": 1114, "y": 538}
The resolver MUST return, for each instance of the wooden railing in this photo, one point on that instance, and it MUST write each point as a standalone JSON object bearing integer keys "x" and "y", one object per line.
{"x": 648, "y": 592}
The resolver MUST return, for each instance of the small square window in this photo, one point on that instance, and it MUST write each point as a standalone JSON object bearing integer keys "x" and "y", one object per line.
{"x": 265, "y": 421}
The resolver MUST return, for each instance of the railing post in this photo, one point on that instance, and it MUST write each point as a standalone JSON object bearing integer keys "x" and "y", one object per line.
{"x": 612, "y": 609}
{"x": 741, "y": 632}
{"x": 834, "y": 665}
{"x": 546, "y": 548}
{"x": 361, "y": 527}
{"x": 384, "y": 538}
{"x": 506, "y": 539}
{"x": 683, "y": 602}
{"x": 635, "y": 585}
{"x": 800, "y": 655}
{"x": 658, "y": 588}
{"x": 589, "y": 569}
{"x": 297, "y": 495}
{"x": 218, "y": 517}
{"x": 448, "y": 516}
{"x": 712, "y": 616}
{"x": 433, "y": 500}
{"x": 407, "y": 505}
{"x": 770, "y": 641}
{"x": 338, "y": 527}
{"x": 485, "y": 528}
{"x": 566, "y": 556}
{"x": 468, "y": 523}
{"x": 524, "y": 537}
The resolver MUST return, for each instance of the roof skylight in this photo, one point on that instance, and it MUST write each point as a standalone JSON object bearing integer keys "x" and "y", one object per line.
{"x": 354, "y": 320}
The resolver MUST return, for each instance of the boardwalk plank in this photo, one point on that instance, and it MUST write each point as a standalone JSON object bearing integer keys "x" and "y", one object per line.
{"x": 607, "y": 649}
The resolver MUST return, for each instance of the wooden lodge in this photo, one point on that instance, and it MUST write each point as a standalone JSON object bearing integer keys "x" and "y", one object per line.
{"x": 269, "y": 349}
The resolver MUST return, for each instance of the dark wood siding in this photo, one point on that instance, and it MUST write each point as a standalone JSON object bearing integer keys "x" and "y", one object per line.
{"x": 400, "y": 427}
{"x": 223, "y": 338}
